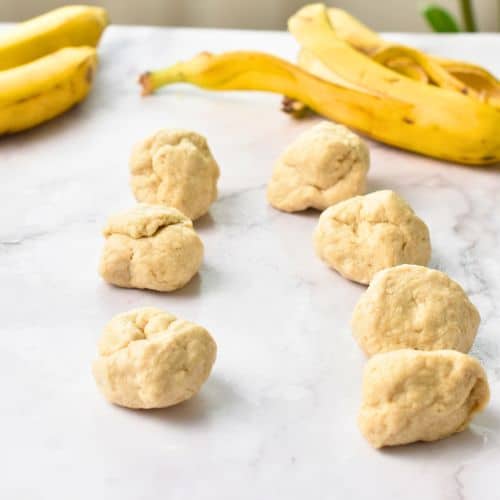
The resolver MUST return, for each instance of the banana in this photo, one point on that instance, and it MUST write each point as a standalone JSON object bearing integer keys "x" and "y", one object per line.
{"x": 478, "y": 81}
{"x": 38, "y": 91}
{"x": 72, "y": 25}
{"x": 455, "y": 128}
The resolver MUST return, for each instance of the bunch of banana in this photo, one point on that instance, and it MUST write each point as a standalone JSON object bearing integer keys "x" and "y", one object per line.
{"x": 340, "y": 81}
{"x": 47, "y": 65}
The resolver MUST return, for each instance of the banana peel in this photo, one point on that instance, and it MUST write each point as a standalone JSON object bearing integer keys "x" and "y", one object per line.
{"x": 343, "y": 83}
{"x": 434, "y": 72}
{"x": 311, "y": 28}
{"x": 446, "y": 73}
{"x": 408, "y": 68}
{"x": 355, "y": 33}
{"x": 443, "y": 108}
{"x": 460, "y": 130}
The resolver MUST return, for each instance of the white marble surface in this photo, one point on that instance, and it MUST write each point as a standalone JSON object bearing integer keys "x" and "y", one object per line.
{"x": 277, "y": 418}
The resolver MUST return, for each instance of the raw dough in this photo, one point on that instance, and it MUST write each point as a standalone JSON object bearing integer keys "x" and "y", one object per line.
{"x": 175, "y": 168}
{"x": 413, "y": 395}
{"x": 361, "y": 236}
{"x": 150, "y": 247}
{"x": 151, "y": 359}
{"x": 326, "y": 164}
{"x": 414, "y": 307}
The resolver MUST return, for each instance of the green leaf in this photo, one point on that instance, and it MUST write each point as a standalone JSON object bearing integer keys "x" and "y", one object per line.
{"x": 439, "y": 19}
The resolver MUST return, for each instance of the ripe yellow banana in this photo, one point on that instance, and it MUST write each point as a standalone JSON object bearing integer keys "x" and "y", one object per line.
{"x": 478, "y": 81}
{"x": 73, "y": 25}
{"x": 460, "y": 129}
{"x": 38, "y": 91}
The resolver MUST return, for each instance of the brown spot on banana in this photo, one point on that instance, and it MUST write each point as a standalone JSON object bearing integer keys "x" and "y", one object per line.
{"x": 27, "y": 99}
{"x": 35, "y": 96}
{"x": 89, "y": 75}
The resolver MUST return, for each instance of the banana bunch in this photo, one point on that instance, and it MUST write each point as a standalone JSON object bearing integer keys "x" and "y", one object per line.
{"x": 397, "y": 95}
{"x": 47, "y": 65}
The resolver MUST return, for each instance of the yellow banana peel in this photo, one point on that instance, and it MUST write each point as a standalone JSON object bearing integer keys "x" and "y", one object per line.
{"x": 408, "y": 68}
{"x": 460, "y": 129}
{"x": 355, "y": 33}
{"x": 479, "y": 82}
{"x": 445, "y": 109}
{"x": 309, "y": 62}
{"x": 312, "y": 29}
{"x": 435, "y": 73}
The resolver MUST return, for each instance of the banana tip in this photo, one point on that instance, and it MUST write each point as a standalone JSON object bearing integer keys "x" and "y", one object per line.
{"x": 146, "y": 83}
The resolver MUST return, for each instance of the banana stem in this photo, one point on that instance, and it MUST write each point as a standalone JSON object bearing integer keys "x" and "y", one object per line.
{"x": 153, "y": 80}
{"x": 468, "y": 15}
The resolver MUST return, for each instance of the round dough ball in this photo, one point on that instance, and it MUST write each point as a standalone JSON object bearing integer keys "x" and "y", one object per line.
{"x": 150, "y": 246}
{"x": 324, "y": 165}
{"x": 414, "y": 307}
{"x": 413, "y": 396}
{"x": 361, "y": 236}
{"x": 175, "y": 168}
{"x": 151, "y": 359}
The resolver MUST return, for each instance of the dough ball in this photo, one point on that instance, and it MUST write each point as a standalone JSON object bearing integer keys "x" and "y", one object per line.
{"x": 413, "y": 396}
{"x": 175, "y": 168}
{"x": 361, "y": 236}
{"x": 151, "y": 359}
{"x": 414, "y": 307}
{"x": 150, "y": 246}
{"x": 326, "y": 164}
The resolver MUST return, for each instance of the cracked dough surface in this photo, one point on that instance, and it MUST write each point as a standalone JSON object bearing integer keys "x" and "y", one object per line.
{"x": 413, "y": 395}
{"x": 414, "y": 307}
{"x": 150, "y": 246}
{"x": 365, "y": 234}
{"x": 175, "y": 168}
{"x": 324, "y": 165}
{"x": 148, "y": 358}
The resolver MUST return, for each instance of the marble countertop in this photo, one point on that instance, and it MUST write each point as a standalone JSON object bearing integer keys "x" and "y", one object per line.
{"x": 277, "y": 419}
